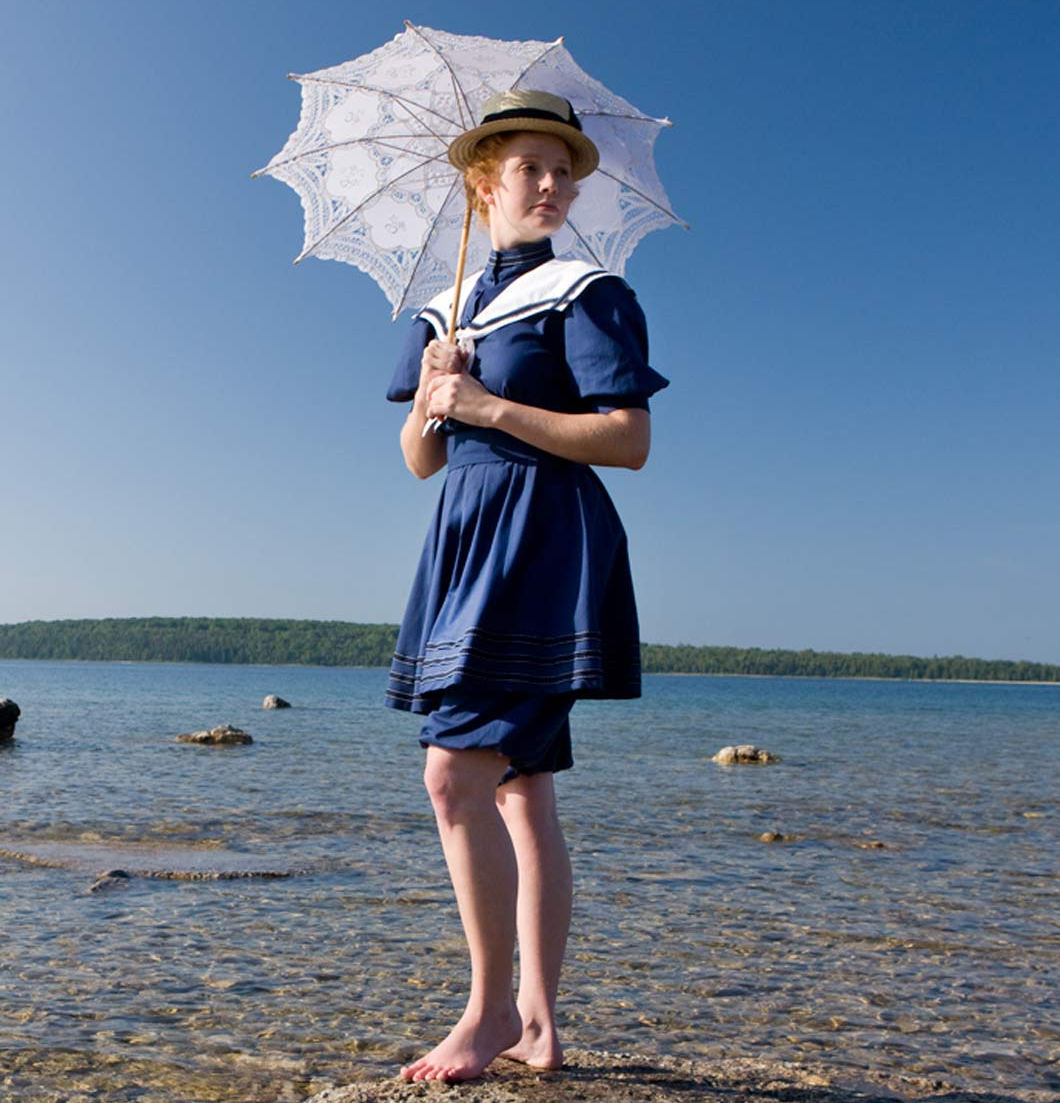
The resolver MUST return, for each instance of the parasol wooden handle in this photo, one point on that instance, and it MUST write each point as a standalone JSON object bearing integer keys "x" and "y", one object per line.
{"x": 460, "y": 271}
{"x": 434, "y": 423}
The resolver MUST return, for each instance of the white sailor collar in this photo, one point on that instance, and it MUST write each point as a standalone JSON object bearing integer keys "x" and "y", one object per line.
{"x": 551, "y": 286}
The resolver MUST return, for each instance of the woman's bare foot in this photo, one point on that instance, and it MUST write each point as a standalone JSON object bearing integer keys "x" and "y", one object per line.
{"x": 472, "y": 1044}
{"x": 538, "y": 1047}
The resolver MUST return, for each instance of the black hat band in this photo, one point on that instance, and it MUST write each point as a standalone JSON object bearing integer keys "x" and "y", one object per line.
{"x": 532, "y": 113}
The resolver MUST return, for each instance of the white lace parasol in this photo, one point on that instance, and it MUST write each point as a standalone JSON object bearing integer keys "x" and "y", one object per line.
{"x": 368, "y": 159}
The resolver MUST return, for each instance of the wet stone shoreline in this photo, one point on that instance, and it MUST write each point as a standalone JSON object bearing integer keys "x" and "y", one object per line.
{"x": 595, "y": 1076}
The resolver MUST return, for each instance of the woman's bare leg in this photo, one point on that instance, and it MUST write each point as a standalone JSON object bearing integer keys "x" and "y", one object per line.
{"x": 528, "y": 805}
{"x": 478, "y": 851}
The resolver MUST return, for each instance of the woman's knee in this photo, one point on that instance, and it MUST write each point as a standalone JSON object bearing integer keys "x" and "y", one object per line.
{"x": 530, "y": 801}
{"x": 458, "y": 780}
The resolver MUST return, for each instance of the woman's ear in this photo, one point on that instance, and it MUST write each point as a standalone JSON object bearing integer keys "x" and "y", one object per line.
{"x": 485, "y": 192}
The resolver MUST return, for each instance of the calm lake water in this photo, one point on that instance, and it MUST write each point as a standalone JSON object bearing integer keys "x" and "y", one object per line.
{"x": 937, "y": 952}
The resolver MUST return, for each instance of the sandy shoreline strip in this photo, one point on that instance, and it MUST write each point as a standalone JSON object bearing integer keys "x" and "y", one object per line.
{"x": 598, "y": 1077}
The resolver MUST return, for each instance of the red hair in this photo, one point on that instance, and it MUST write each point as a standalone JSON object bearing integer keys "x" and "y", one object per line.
{"x": 484, "y": 168}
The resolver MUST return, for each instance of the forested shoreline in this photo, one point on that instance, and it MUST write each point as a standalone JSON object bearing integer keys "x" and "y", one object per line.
{"x": 684, "y": 659}
{"x": 339, "y": 643}
{"x": 202, "y": 640}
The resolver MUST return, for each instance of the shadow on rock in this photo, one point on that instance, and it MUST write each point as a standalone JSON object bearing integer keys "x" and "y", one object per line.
{"x": 598, "y": 1077}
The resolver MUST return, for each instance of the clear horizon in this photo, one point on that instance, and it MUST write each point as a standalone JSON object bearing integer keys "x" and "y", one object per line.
{"x": 858, "y": 450}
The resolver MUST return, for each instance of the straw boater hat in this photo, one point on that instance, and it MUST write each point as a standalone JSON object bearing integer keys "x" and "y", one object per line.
{"x": 526, "y": 110}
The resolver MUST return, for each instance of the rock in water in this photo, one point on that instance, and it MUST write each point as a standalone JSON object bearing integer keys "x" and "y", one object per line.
{"x": 745, "y": 752}
{"x": 223, "y": 735}
{"x": 9, "y": 714}
{"x": 274, "y": 702}
{"x": 113, "y": 878}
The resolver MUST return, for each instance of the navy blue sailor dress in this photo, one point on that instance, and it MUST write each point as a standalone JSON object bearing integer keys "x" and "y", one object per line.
{"x": 523, "y": 599}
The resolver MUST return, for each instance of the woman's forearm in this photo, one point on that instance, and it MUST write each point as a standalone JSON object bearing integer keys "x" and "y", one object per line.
{"x": 424, "y": 454}
{"x": 621, "y": 438}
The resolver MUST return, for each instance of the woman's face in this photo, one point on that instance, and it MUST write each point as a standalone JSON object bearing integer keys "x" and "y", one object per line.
{"x": 533, "y": 191}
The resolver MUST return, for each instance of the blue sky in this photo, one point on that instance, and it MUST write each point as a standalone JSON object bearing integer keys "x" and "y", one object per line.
{"x": 859, "y": 447}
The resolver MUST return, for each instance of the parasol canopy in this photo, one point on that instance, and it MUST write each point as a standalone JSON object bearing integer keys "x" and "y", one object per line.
{"x": 369, "y": 158}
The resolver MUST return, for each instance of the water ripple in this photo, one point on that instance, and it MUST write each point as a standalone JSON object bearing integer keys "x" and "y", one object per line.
{"x": 907, "y": 922}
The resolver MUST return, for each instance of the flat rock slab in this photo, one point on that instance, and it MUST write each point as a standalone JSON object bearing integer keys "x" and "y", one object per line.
{"x": 745, "y": 753}
{"x": 170, "y": 863}
{"x": 224, "y": 735}
{"x": 596, "y": 1077}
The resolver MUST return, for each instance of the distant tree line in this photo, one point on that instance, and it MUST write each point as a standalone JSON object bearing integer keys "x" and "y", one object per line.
{"x": 202, "y": 640}
{"x": 339, "y": 643}
{"x": 683, "y": 659}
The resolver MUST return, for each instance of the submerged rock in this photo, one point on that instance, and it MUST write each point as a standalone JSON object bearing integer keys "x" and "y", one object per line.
{"x": 9, "y": 714}
{"x": 745, "y": 752}
{"x": 222, "y": 735}
{"x": 274, "y": 702}
{"x": 772, "y": 837}
{"x": 114, "y": 878}
{"x": 121, "y": 860}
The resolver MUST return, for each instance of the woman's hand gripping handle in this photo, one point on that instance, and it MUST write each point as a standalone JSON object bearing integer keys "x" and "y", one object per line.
{"x": 441, "y": 359}
{"x": 425, "y": 454}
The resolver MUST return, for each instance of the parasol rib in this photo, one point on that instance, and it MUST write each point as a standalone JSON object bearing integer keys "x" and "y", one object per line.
{"x": 585, "y": 245}
{"x": 537, "y": 60}
{"x": 625, "y": 118}
{"x": 402, "y": 100}
{"x": 383, "y": 141}
{"x": 423, "y": 252}
{"x": 346, "y": 217}
{"x": 647, "y": 198}
{"x": 462, "y": 100}
{"x": 443, "y": 138}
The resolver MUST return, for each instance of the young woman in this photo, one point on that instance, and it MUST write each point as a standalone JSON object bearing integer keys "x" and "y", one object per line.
{"x": 523, "y": 601}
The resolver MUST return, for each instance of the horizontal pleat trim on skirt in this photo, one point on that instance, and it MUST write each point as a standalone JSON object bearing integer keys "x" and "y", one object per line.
{"x": 514, "y": 663}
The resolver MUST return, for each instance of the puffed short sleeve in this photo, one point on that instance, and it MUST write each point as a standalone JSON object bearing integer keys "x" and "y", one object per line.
{"x": 606, "y": 342}
{"x": 406, "y": 376}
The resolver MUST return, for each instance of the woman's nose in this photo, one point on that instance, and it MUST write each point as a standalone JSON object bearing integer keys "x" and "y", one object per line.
{"x": 548, "y": 183}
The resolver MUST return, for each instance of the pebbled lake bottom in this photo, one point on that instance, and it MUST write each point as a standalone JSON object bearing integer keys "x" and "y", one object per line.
{"x": 287, "y": 924}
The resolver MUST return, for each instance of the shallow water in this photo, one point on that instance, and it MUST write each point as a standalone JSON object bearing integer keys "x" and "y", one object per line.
{"x": 936, "y": 953}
